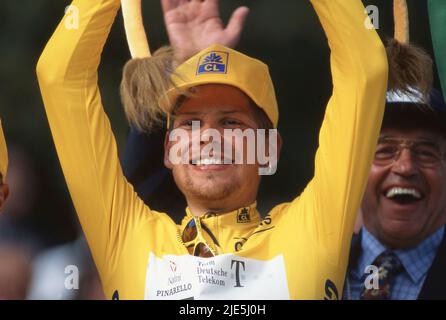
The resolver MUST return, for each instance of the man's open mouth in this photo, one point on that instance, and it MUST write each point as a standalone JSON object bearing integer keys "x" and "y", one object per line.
{"x": 211, "y": 162}
{"x": 403, "y": 196}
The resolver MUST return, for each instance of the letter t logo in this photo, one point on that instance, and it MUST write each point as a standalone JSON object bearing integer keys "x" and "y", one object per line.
{"x": 237, "y": 272}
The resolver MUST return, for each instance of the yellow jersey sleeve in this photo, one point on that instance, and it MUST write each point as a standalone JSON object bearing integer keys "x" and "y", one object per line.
{"x": 108, "y": 208}
{"x": 325, "y": 212}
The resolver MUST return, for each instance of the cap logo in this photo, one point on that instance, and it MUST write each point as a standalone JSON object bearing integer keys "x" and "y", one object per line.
{"x": 213, "y": 62}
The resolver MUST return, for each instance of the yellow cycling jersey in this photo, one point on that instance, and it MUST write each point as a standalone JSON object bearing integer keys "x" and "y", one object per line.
{"x": 299, "y": 251}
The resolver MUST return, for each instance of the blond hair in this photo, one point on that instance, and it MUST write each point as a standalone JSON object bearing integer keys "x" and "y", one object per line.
{"x": 144, "y": 82}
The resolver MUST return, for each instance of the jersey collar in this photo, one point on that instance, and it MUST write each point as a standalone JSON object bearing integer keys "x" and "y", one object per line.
{"x": 230, "y": 230}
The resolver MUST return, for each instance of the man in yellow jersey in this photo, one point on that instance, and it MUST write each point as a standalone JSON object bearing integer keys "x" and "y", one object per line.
{"x": 300, "y": 250}
{"x": 4, "y": 190}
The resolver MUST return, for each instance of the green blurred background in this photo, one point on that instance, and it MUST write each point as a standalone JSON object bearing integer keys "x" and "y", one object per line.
{"x": 285, "y": 34}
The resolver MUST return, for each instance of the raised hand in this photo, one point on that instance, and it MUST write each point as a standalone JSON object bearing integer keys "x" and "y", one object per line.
{"x": 193, "y": 25}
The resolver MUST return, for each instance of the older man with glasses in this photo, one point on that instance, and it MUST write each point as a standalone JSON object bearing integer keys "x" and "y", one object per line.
{"x": 400, "y": 251}
{"x": 404, "y": 208}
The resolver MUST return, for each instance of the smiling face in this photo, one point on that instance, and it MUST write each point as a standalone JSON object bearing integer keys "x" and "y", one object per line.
{"x": 207, "y": 183}
{"x": 405, "y": 198}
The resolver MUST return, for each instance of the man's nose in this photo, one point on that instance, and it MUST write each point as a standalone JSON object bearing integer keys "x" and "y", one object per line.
{"x": 405, "y": 164}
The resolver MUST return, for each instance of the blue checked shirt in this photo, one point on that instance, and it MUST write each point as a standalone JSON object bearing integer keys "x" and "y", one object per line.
{"x": 416, "y": 261}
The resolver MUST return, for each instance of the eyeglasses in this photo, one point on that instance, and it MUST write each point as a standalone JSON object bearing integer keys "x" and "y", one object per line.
{"x": 425, "y": 153}
{"x": 194, "y": 241}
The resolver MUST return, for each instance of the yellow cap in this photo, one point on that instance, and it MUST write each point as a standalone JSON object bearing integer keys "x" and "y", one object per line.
{"x": 221, "y": 65}
{"x": 3, "y": 154}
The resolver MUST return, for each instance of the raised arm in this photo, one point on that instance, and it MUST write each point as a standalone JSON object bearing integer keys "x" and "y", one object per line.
{"x": 67, "y": 74}
{"x": 327, "y": 209}
{"x": 437, "y": 17}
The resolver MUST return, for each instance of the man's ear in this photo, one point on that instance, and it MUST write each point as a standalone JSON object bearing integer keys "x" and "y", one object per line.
{"x": 4, "y": 192}
{"x": 167, "y": 145}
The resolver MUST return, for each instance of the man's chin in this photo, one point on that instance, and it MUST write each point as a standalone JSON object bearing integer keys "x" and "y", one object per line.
{"x": 400, "y": 231}
{"x": 212, "y": 180}
{"x": 212, "y": 190}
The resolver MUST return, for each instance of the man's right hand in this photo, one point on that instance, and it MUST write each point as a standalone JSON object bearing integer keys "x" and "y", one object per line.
{"x": 193, "y": 25}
